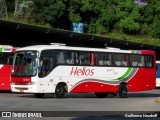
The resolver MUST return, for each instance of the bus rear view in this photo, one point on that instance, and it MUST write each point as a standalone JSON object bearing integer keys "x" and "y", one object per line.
{"x": 6, "y": 57}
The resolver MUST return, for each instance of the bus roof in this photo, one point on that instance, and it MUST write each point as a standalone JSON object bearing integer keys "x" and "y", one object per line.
{"x": 45, "y": 47}
{"x": 7, "y": 48}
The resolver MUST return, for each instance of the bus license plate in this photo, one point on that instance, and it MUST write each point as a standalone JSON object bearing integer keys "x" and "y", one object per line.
{"x": 21, "y": 91}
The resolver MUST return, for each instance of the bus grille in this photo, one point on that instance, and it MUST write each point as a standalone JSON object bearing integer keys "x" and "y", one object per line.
{"x": 21, "y": 83}
{"x": 20, "y": 88}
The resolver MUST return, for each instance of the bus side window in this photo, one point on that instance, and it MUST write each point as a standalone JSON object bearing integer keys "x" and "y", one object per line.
{"x": 1, "y": 54}
{"x": 83, "y": 58}
{"x": 149, "y": 61}
{"x": 46, "y": 63}
{"x": 60, "y": 57}
{"x": 69, "y": 57}
{"x": 44, "y": 66}
{"x": 96, "y": 60}
{"x": 9, "y": 60}
{"x": 134, "y": 63}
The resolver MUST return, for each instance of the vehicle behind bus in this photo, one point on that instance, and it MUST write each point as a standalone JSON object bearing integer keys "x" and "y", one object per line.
{"x": 60, "y": 69}
{"x": 158, "y": 74}
{"x": 6, "y": 58}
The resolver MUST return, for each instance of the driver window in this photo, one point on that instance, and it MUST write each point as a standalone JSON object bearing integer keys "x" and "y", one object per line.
{"x": 46, "y": 63}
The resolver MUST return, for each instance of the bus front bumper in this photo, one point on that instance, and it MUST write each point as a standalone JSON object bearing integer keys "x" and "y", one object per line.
{"x": 23, "y": 89}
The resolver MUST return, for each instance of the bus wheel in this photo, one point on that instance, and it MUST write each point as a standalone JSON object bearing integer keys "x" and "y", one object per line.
{"x": 114, "y": 94}
{"x": 122, "y": 91}
{"x": 60, "y": 91}
{"x": 39, "y": 95}
{"x": 101, "y": 94}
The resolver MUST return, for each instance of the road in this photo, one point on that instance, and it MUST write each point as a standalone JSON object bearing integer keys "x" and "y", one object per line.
{"x": 136, "y": 102}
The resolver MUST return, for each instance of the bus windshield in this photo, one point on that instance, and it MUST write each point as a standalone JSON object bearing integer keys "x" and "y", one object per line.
{"x": 24, "y": 63}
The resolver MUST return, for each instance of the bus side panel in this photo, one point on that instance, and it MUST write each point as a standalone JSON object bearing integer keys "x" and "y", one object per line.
{"x": 143, "y": 80}
{"x": 5, "y": 78}
{"x": 94, "y": 87}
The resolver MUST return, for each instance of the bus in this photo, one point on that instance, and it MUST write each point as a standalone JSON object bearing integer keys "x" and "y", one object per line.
{"x": 59, "y": 69}
{"x": 158, "y": 74}
{"x": 6, "y": 55}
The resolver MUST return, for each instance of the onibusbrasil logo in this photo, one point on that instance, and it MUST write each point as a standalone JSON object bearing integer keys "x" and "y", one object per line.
{"x": 21, "y": 114}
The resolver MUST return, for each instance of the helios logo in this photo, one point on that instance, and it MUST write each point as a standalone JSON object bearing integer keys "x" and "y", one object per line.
{"x": 26, "y": 80}
{"x": 82, "y": 71}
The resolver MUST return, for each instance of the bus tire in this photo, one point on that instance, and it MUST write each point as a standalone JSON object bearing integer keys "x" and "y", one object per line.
{"x": 101, "y": 94}
{"x": 39, "y": 95}
{"x": 60, "y": 91}
{"x": 114, "y": 94}
{"x": 122, "y": 91}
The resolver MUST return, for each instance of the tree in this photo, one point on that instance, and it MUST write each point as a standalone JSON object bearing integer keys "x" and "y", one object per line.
{"x": 3, "y": 10}
{"x": 130, "y": 17}
{"x": 156, "y": 29}
{"x": 75, "y": 10}
{"x": 47, "y": 11}
{"x": 16, "y": 6}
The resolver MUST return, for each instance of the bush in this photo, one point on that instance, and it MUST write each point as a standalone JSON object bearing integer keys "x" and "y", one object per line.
{"x": 155, "y": 32}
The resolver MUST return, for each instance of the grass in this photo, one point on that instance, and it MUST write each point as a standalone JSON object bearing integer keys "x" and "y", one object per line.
{"x": 139, "y": 39}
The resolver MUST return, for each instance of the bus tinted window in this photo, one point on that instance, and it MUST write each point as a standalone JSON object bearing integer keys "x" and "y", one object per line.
{"x": 83, "y": 58}
{"x": 141, "y": 61}
{"x": 69, "y": 57}
{"x": 120, "y": 60}
{"x": 103, "y": 59}
{"x": 59, "y": 57}
{"x": 149, "y": 61}
{"x": 4, "y": 58}
{"x": 47, "y": 53}
{"x": 135, "y": 60}
{"x": 46, "y": 62}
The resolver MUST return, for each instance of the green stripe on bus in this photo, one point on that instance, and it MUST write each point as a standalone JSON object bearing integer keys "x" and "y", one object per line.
{"x": 125, "y": 74}
{"x": 1, "y": 49}
{"x": 133, "y": 52}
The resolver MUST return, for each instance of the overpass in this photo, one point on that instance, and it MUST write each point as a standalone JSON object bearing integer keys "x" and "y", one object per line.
{"x": 19, "y": 35}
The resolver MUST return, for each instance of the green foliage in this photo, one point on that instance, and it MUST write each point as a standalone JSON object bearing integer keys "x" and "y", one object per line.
{"x": 156, "y": 29}
{"x": 74, "y": 11}
{"x": 145, "y": 29}
{"x": 47, "y": 11}
{"x": 129, "y": 25}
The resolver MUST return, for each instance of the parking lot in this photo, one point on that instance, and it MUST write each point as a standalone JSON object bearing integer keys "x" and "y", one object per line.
{"x": 81, "y": 102}
{"x": 74, "y": 106}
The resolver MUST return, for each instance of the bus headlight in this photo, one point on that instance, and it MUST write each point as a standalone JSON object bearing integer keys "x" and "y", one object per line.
{"x": 12, "y": 83}
{"x": 31, "y": 83}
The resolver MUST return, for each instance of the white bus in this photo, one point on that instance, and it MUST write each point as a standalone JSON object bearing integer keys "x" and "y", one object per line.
{"x": 61, "y": 69}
